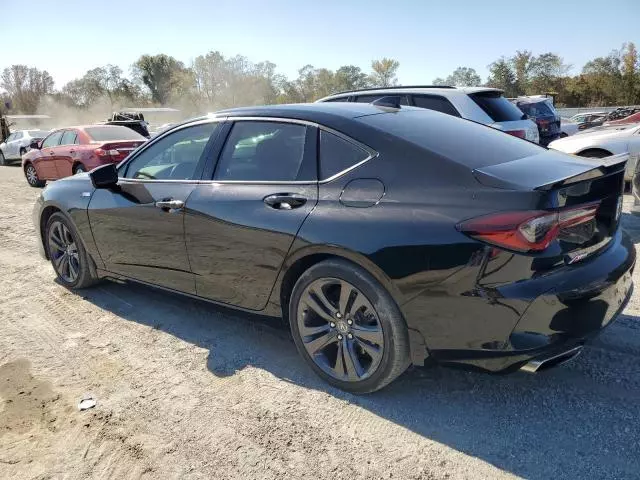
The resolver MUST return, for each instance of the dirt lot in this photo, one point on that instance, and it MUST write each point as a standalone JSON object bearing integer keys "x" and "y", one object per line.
{"x": 188, "y": 390}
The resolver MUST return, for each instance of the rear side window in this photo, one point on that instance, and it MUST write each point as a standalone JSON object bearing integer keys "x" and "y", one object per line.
{"x": 337, "y": 154}
{"x": 263, "y": 151}
{"x": 434, "y": 102}
{"x": 111, "y": 133}
{"x": 372, "y": 98}
{"x": 497, "y": 107}
{"x": 339, "y": 99}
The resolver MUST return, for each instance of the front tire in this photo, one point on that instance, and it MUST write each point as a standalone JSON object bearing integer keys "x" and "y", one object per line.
{"x": 347, "y": 327}
{"x": 32, "y": 176}
{"x": 67, "y": 254}
{"x": 3, "y": 161}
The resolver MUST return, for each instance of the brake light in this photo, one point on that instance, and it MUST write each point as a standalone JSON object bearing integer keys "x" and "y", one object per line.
{"x": 526, "y": 231}
{"x": 517, "y": 133}
{"x": 105, "y": 153}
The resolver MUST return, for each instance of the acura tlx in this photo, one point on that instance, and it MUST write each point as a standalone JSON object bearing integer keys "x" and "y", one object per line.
{"x": 385, "y": 235}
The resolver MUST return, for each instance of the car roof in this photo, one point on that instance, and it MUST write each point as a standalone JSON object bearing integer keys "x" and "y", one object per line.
{"x": 442, "y": 90}
{"x": 312, "y": 112}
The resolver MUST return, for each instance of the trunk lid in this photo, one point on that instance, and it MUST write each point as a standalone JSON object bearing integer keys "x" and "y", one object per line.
{"x": 122, "y": 147}
{"x": 568, "y": 185}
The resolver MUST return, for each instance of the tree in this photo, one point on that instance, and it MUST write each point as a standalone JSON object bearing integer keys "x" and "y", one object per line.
{"x": 350, "y": 77}
{"x": 461, "y": 77}
{"x": 384, "y": 72}
{"x": 630, "y": 75}
{"x": 162, "y": 75}
{"x": 502, "y": 76}
{"x": 26, "y": 86}
{"x": 546, "y": 71}
{"x": 522, "y": 63}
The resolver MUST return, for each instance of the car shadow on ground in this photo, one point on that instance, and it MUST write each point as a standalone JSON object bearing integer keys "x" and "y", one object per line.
{"x": 576, "y": 421}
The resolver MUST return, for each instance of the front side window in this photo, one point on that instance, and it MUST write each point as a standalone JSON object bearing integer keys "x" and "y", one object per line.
{"x": 178, "y": 156}
{"x": 263, "y": 151}
{"x": 52, "y": 140}
{"x": 18, "y": 136}
{"x": 69, "y": 138}
{"x": 338, "y": 154}
{"x": 11, "y": 138}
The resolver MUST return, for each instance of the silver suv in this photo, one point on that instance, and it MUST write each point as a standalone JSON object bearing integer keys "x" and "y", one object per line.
{"x": 18, "y": 143}
{"x": 480, "y": 104}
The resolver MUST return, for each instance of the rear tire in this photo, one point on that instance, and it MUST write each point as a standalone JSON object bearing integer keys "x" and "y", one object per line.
{"x": 22, "y": 151}
{"x": 68, "y": 257}
{"x": 32, "y": 176}
{"x": 357, "y": 341}
{"x": 79, "y": 169}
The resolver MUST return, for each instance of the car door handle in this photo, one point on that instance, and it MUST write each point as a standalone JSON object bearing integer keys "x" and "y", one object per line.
{"x": 169, "y": 204}
{"x": 285, "y": 201}
{"x": 72, "y": 151}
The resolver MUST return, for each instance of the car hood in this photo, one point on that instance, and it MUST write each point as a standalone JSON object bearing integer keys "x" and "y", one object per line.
{"x": 594, "y": 136}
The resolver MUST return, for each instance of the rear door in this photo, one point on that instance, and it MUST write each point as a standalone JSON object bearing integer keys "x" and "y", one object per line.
{"x": 45, "y": 164}
{"x": 139, "y": 227}
{"x": 66, "y": 153}
{"x": 239, "y": 228}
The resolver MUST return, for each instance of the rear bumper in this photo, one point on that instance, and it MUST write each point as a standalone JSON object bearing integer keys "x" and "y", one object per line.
{"x": 559, "y": 310}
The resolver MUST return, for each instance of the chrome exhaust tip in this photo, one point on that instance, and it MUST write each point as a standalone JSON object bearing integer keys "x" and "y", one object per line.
{"x": 542, "y": 363}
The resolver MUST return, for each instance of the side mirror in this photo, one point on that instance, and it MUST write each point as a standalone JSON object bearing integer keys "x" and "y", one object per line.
{"x": 105, "y": 176}
{"x": 35, "y": 144}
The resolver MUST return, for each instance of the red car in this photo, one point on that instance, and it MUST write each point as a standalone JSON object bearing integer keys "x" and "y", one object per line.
{"x": 635, "y": 118}
{"x": 72, "y": 150}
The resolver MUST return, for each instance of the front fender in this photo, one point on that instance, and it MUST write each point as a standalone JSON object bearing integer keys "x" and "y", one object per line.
{"x": 71, "y": 197}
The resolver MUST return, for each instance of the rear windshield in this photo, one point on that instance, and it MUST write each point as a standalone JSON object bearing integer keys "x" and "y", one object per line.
{"x": 465, "y": 142}
{"x": 537, "y": 109}
{"x": 108, "y": 134}
{"x": 497, "y": 107}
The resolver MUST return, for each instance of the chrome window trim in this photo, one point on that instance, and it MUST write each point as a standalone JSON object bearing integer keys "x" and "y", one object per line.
{"x": 372, "y": 154}
{"x": 157, "y": 138}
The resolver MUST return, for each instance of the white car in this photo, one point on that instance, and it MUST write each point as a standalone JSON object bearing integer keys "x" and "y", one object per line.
{"x": 18, "y": 143}
{"x": 600, "y": 142}
{"x": 480, "y": 104}
{"x": 568, "y": 127}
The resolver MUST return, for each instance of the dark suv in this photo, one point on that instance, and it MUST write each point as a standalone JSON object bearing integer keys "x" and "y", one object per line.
{"x": 541, "y": 110}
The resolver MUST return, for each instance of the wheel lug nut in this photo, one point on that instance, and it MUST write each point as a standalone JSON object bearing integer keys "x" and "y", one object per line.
{"x": 350, "y": 336}
{"x": 339, "y": 337}
{"x": 350, "y": 322}
{"x": 332, "y": 325}
{"x": 338, "y": 315}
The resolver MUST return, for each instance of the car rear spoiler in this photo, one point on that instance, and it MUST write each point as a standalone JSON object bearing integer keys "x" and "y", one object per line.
{"x": 548, "y": 170}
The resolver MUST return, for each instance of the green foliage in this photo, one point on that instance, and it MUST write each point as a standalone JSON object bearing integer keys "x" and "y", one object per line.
{"x": 214, "y": 81}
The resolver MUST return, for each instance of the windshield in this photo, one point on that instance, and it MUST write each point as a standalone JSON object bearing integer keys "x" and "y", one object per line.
{"x": 110, "y": 133}
{"x": 537, "y": 109}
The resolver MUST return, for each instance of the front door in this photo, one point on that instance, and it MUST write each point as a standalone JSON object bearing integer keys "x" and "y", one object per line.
{"x": 139, "y": 227}
{"x": 239, "y": 228}
{"x": 45, "y": 163}
{"x": 65, "y": 154}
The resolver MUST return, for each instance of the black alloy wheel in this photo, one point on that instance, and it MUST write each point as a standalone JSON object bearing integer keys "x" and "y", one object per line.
{"x": 340, "y": 329}
{"x": 63, "y": 250}
{"x": 347, "y": 327}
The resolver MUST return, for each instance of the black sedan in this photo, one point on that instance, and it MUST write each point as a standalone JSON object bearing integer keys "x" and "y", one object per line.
{"x": 385, "y": 236}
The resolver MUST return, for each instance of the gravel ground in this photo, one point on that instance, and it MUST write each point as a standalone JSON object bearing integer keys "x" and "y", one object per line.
{"x": 188, "y": 390}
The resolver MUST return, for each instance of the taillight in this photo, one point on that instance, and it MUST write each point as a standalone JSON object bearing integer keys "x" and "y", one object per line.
{"x": 526, "y": 231}
{"x": 106, "y": 153}
{"x": 517, "y": 133}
